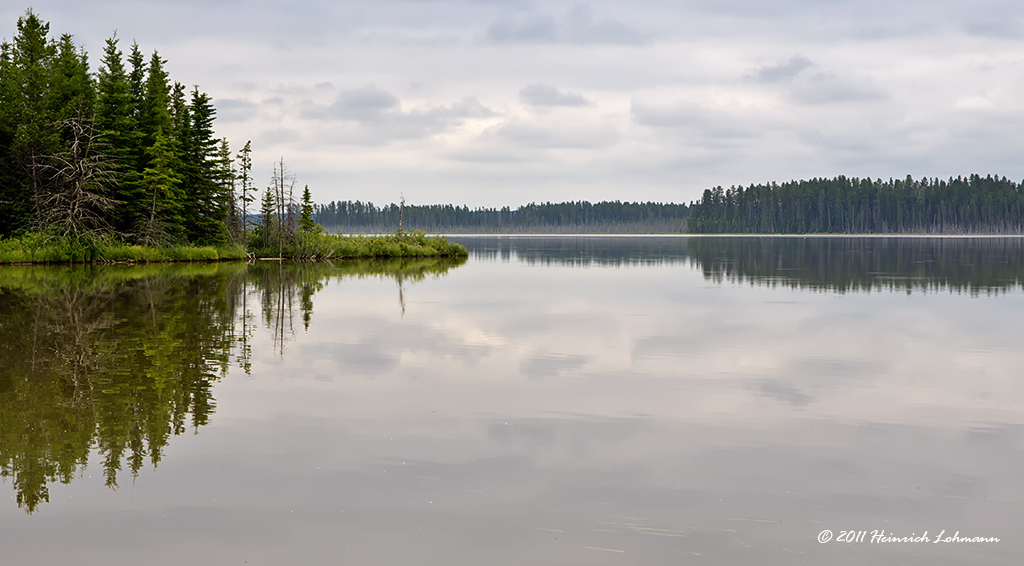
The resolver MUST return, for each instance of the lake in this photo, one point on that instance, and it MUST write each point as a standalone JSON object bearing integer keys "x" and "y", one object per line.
{"x": 549, "y": 400}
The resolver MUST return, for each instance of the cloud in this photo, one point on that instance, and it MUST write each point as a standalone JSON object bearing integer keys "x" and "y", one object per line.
{"x": 548, "y": 136}
{"x": 529, "y": 29}
{"x": 821, "y": 87}
{"x": 372, "y": 116}
{"x": 582, "y": 28}
{"x": 234, "y": 109}
{"x": 783, "y": 71}
{"x": 365, "y": 104}
{"x": 996, "y": 27}
{"x": 538, "y": 94}
{"x": 578, "y": 26}
{"x": 826, "y": 88}
{"x": 711, "y": 123}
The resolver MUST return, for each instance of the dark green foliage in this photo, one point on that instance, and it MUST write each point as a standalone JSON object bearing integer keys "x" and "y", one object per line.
{"x": 204, "y": 191}
{"x": 306, "y": 222}
{"x": 973, "y": 204}
{"x": 152, "y": 170}
{"x": 582, "y": 216}
{"x": 245, "y": 179}
{"x": 265, "y": 234}
{"x": 35, "y": 135}
{"x": 116, "y": 121}
{"x": 162, "y": 222}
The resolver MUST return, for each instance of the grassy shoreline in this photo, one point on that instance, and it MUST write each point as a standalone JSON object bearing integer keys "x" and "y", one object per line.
{"x": 34, "y": 248}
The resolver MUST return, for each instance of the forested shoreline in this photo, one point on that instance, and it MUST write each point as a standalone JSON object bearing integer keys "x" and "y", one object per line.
{"x": 842, "y": 205}
{"x": 564, "y": 217}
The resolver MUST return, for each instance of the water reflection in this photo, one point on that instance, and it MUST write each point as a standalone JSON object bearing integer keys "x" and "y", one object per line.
{"x": 122, "y": 358}
{"x": 865, "y": 264}
{"x": 842, "y": 264}
{"x": 579, "y": 412}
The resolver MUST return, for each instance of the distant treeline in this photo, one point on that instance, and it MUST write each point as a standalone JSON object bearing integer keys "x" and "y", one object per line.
{"x": 580, "y": 216}
{"x": 844, "y": 205}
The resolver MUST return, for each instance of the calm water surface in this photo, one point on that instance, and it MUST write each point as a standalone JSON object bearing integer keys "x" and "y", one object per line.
{"x": 552, "y": 400}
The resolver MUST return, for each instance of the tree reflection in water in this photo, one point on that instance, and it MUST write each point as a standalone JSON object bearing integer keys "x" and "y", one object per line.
{"x": 119, "y": 359}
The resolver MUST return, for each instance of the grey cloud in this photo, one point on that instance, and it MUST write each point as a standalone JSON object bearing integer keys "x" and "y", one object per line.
{"x": 528, "y": 135}
{"x": 530, "y": 29}
{"x": 279, "y": 136}
{"x": 579, "y": 26}
{"x": 366, "y": 104}
{"x": 234, "y": 109}
{"x": 376, "y": 116}
{"x": 584, "y": 29}
{"x": 996, "y": 27}
{"x": 783, "y": 71}
{"x": 371, "y": 104}
{"x": 820, "y": 87}
{"x": 826, "y": 88}
{"x": 710, "y": 123}
{"x": 538, "y": 94}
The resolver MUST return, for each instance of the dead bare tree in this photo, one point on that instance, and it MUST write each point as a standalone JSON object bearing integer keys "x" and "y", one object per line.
{"x": 73, "y": 204}
{"x": 284, "y": 188}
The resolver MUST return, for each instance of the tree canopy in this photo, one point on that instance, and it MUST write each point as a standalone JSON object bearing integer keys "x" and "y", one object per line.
{"x": 148, "y": 166}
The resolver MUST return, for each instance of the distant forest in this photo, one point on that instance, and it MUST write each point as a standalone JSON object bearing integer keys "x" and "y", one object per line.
{"x": 566, "y": 217}
{"x": 964, "y": 205}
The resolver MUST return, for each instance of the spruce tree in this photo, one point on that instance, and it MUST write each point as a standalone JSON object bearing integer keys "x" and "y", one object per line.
{"x": 118, "y": 127}
{"x": 162, "y": 223}
{"x": 13, "y": 205}
{"x": 306, "y": 222}
{"x": 268, "y": 227}
{"x": 35, "y": 136}
{"x": 208, "y": 203}
{"x": 245, "y": 176}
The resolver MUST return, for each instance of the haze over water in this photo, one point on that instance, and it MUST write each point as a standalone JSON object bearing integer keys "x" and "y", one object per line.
{"x": 552, "y": 400}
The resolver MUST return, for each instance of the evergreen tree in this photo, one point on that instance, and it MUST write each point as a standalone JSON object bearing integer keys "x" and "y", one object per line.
{"x": 35, "y": 136}
{"x": 155, "y": 110}
{"x": 226, "y": 177}
{"x": 245, "y": 176}
{"x": 267, "y": 231}
{"x": 208, "y": 202}
{"x": 162, "y": 224}
{"x": 306, "y": 222}
{"x": 14, "y": 207}
{"x": 116, "y": 123}
{"x": 70, "y": 94}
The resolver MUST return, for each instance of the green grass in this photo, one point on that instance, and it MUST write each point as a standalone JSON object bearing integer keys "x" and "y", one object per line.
{"x": 38, "y": 248}
{"x": 334, "y": 246}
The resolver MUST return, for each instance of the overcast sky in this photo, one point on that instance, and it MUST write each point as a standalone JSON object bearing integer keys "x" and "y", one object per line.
{"x": 492, "y": 103}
